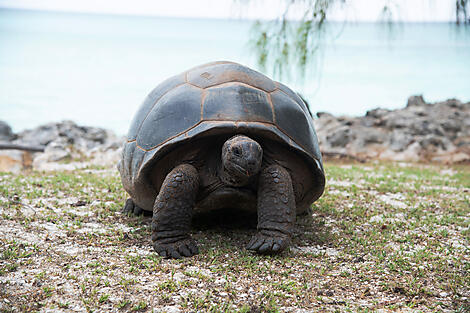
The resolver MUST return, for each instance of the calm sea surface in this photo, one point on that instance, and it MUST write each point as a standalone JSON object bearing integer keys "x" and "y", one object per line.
{"x": 97, "y": 69}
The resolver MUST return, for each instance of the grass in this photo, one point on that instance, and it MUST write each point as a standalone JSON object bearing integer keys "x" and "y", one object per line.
{"x": 384, "y": 236}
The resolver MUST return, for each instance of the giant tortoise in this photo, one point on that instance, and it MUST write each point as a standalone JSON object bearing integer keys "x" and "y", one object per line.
{"x": 221, "y": 136}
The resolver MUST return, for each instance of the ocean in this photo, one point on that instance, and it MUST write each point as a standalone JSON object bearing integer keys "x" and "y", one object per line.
{"x": 97, "y": 69}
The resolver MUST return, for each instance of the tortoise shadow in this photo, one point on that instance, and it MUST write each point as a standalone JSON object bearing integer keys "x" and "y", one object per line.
{"x": 225, "y": 219}
{"x": 232, "y": 227}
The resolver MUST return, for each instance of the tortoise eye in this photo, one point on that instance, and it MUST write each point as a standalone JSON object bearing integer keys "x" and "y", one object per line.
{"x": 237, "y": 151}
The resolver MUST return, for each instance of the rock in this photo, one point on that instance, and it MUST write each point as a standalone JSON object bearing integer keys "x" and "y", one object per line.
{"x": 67, "y": 146}
{"x": 82, "y": 137}
{"x": 399, "y": 140}
{"x": 438, "y": 132}
{"x": 5, "y": 132}
{"x": 459, "y": 157}
{"x": 325, "y": 115}
{"x": 400, "y": 119}
{"x": 368, "y": 137}
{"x": 15, "y": 160}
{"x": 58, "y": 150}
{"x": 377, "y": 113}
{"x": 412, "y": 153}
{"x": 451, "y": 158}
{"x": 95, "y": 147}
{"x": 340, "y": 137}
{"x": 417, "y": 100}
{"x": 449, "y": 126}
{"x": 11, "y": 161}
{"x": 454, "y": 103}
{"x": 434, "y": 143}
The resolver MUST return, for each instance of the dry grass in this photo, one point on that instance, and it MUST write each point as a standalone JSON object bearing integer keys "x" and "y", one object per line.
{"x": 384, "y": 237}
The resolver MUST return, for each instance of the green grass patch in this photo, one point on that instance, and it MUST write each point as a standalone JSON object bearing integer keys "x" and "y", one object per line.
{"x": 383, "y": 236}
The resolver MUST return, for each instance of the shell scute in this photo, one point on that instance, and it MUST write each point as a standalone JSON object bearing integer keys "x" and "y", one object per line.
{"x": 220, "y": 73}
{"x": 292, "y": 120}
{"x": 237, "y": 102}
{"x": 178, "y": 110}
{"x": 294, "y": 97}
{"x": 150, "y": 102}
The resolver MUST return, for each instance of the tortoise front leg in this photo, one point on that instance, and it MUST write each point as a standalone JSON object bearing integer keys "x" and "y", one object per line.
{"x": 172, "y": 213}
{"x": 276, "y": 211}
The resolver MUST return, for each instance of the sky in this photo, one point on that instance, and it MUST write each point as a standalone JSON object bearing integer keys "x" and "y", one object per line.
{"x": 354, "y": 10}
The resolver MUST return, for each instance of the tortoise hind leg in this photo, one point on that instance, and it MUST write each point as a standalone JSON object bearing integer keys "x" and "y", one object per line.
{"x": 276, "y": 211}
{"x": 172, "y": 213}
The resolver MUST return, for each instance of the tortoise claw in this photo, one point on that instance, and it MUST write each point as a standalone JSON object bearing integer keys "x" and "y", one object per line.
{"x": 268, "y": 244}
{"x": 177, "y": 250}
{"x": 130, "y": 208}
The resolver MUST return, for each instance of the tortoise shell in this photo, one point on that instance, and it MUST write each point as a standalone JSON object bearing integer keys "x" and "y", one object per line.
{"x": 212, "y": 99}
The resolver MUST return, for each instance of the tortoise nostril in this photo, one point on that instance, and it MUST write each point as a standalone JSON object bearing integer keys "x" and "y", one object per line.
{"x": 252, "y": 166}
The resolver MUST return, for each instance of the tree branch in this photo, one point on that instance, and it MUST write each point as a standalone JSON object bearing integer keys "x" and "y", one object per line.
{"x": 13, "y": 146}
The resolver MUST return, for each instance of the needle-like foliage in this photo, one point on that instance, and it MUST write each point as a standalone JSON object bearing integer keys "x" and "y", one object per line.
{"x": 285, "y": 43}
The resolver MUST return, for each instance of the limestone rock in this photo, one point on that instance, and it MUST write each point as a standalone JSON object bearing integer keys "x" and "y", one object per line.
{"x": 438, "y": 132}
{"x": 67, "y": 146}
{"x": 417, "y": 100}
{"x": 82, "y": 137}
{"x": 5, "y": 132}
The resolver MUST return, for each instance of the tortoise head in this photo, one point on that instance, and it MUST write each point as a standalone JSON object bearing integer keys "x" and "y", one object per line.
{"x": 241, "y": 160}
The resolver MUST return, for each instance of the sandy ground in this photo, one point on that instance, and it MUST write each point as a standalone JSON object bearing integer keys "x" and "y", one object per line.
{"x": 384, "y": 237}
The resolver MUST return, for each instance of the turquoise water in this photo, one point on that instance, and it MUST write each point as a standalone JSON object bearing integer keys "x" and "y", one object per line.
{"x": 97, "y": 69}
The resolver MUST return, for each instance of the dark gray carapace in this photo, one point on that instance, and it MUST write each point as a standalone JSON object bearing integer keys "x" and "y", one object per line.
{"x": 220, "y": 98}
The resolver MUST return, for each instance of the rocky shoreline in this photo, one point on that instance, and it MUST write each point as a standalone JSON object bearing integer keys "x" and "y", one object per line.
{"x": 420, "y": 132}
{"x": 67, "y": 146}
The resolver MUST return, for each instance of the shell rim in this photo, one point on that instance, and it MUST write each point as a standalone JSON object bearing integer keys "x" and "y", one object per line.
{"x": 154, "y": 155}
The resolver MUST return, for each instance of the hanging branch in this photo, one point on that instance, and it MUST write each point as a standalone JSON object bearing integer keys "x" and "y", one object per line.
{"x": 461, "y": 16}
{"x": 282, "y": 44}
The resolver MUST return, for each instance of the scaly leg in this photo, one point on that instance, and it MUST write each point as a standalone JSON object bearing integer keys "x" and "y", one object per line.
{"x": 172, "y": 213}
{"x": 276, "y": 211}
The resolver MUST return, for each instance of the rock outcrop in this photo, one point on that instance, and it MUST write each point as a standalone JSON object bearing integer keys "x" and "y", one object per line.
{"x": 436, "y": 132}
{"x": 5, "y": 132}
{"x": 66, "y": 146}
{"x": 420, "y": 132}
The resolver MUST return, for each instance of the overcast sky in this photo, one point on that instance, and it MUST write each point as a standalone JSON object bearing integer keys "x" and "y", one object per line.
{"x": 355, "y": 10}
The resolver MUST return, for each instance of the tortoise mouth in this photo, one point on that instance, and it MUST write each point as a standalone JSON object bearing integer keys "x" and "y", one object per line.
{"x": 240, "y": 170}
{"x": 243, "y": 172}
{"x": 235, "y": 175}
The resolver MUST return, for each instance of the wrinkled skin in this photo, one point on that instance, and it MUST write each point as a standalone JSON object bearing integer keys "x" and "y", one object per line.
{"x": 241, "y": 164}
{"x": 241, "y": 160}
